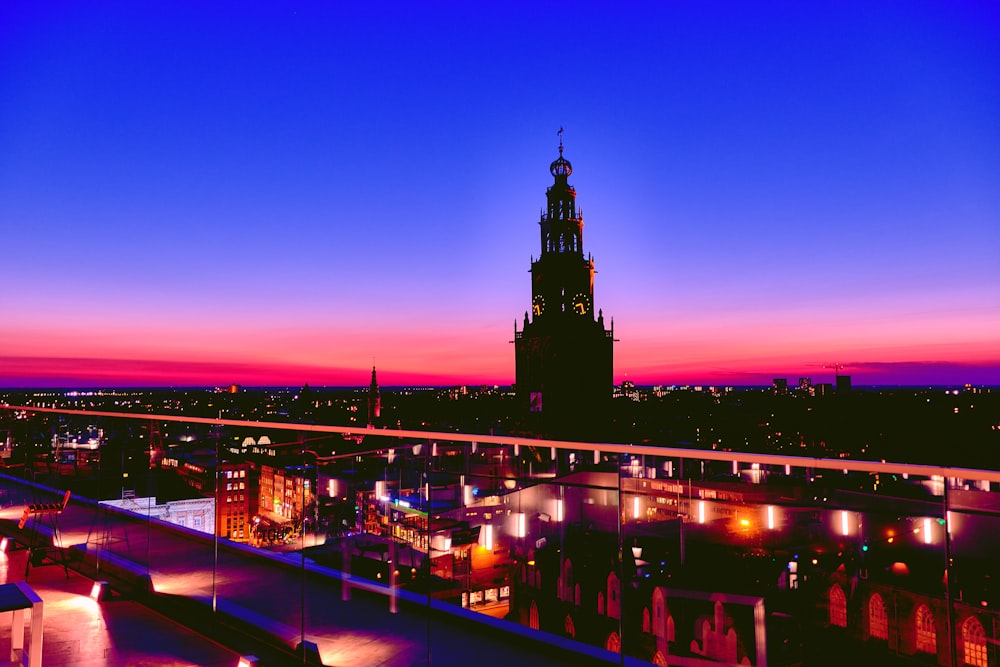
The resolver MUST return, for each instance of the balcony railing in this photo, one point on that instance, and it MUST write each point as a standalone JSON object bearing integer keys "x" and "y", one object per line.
{"x": 320, "y": 536}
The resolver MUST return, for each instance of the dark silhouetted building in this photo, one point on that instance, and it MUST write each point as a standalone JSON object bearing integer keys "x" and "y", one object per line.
{"x": 564, "y": 353}
{"x": 374, "y": 401}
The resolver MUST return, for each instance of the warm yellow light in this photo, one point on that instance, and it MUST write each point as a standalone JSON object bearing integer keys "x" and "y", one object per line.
{"x": 488, "y": 537}
{"x": 744, "y": 522}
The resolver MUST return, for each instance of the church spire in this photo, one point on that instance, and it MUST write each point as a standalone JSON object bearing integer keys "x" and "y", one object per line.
{"x": 563, "y": 352}
{"x": 562, "y": 226}
{"x": 374, "y": 400}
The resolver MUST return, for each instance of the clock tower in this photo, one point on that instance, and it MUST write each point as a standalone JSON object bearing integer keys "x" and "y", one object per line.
{"x": 563, "y": 353}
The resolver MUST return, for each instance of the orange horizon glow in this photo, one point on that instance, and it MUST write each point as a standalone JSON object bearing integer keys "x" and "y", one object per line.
{"x": 108, "y": 372}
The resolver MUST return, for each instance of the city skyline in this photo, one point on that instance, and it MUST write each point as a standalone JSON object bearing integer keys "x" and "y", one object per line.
{"x": 278, "y": 196}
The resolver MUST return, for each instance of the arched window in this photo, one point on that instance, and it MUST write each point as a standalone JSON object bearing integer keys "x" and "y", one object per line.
{"x": 878, "y": 624}
{"x": 974, "y": 643}
{"x": 659, "y": 659}
{"x": 926, "y": 632}
{"x": 838, "y": 607}
{"x": 533, "y": 616}
{"x": 614, "y": 606}
{"x": 569, "y": 627}
{"x": 647, "y": 625}
{"x": 662, "y": 621}
{"x": 600, "y": 603}
{"x": 567, "y": 581}
{"x": 613, "y": 643}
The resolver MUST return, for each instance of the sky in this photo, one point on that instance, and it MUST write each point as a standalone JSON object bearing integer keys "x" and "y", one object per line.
{"x": 204, "y": 193}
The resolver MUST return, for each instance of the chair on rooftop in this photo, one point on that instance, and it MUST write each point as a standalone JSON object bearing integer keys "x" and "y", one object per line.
{"x": 37, "y": 548}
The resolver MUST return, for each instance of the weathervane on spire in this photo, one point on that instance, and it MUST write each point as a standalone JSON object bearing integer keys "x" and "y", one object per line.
{"x": 560, "y": 132}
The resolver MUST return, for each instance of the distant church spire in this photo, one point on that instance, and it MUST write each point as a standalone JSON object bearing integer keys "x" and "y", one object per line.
{"x": 374, "y": 400}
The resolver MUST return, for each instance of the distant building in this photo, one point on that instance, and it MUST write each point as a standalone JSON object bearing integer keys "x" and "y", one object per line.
{"x": 198, "y": 471}
{"x": 627, "y": 389}
{"x": 196, "y": 513}
{"x": 780, "y": 386}
{"x": 237, "y": 498}
{"x": 563, "y": 353}
{"x": 843, "y": 384}
{"x": 805, "y": 384}
{"x": 285, "y": 493}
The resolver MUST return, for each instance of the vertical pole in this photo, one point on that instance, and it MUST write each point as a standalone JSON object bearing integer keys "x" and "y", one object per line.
{"x": 215, "y": 533}
{"x": 622, "y": 512}
{"x": 393, "y": 608}
{"x": 345, "y": 567}
{"x": 952, "y": 644}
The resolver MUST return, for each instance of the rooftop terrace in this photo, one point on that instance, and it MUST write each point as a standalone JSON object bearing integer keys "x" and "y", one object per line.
{"x": 413, "y": 548}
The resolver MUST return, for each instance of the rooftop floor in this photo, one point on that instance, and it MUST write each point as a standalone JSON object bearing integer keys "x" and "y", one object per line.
{"x": 80, "y": 632}
{"x": 272, "y": 593}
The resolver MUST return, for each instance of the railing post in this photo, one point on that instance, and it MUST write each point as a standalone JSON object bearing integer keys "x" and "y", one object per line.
{"x": 952, "y": 644}
{"x": 345, "y": 567}
{"x": 393, "y": 573}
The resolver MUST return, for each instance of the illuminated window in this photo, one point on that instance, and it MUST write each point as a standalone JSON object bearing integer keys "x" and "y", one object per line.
{"x": 659, "y": 659}
{"x": 613, "y": 643}
{"x": 533, "y": 616}
{"x": 974, "y": 643}
{"x": 878, "y": 624}
{"x": 838, "y": 607}
{"x": 926, "y": 632}
{"x": 570, "y": 627}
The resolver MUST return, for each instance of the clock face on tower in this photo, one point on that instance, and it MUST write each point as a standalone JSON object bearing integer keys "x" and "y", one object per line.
{"x": 538, "y": 304}
{"x": 581, "y": 303}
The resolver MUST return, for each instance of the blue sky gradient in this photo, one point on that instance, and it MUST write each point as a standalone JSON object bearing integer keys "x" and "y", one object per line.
{"x": 767, "y": 187}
